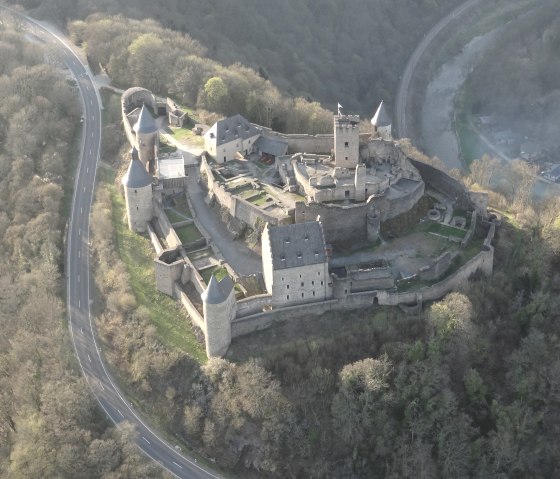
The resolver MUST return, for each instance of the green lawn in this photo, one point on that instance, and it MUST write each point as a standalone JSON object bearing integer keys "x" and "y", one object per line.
{"x": 169, "y": 318}
{"x": 173, "y": 216}
{"x": 444, "y": 230}
{"x": 188, "y": 234}
{"x": 218, "y": 271}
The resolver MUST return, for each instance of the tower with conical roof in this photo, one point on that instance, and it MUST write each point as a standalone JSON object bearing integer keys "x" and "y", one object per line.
{"x": 137, "y": 184}
{"x": 381, "y": 123}
{"x": 218, "y": 303}
{"x": 147, "y": 139}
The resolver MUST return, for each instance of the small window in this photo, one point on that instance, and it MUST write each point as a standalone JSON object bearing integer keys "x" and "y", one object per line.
{"x": 321, "y": 283}
{"x": 224, "y": 158}
{"x": 306, "y": 238}
{"x": 318, "y": 273}
{"x": 302, "y": 295}
{"x": 299, "y": 256}
{"x": 287, "y": 286}
{"x": 302, "y": 284}
{"x": 313, "y": 293}
{"x": 346, "y": 158}
{"x": 346, "y": 145}
{"x": 287, "y": 241}
{"x": 135, "y": 191}
{"x": 288, "y": 297}
{"x": 345, "y": 291}
{"x": 312, "y": 283}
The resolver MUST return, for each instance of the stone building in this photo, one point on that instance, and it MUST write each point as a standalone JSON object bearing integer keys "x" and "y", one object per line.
{"x": 138, "y": 195}
{"x": 295, "y": 263}
{"x": 229, "y": 136}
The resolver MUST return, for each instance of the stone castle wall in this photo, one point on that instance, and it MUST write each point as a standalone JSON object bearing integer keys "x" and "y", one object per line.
{"x": 343, "y": 223}
{"x": 301, "y": 143}
{"x": 444, "y": 183}
{"x": 483, "y": 261}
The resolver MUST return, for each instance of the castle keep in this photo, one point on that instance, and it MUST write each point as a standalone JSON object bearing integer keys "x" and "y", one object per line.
{"x": 325, "y": 207}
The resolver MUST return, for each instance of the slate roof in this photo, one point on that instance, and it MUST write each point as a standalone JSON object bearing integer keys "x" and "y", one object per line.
{"x": 381, "y": 118}
{"x": 234, "y": 128}
{"x": 145, "y": 123}
{"x": 271, "y": 146}
{"x": 301, "y": 244}
{"x": 217, "y": 291}
{"x": 136, "y": 176}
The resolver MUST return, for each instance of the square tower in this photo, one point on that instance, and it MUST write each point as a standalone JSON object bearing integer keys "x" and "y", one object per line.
{"x": 346, "y": 140}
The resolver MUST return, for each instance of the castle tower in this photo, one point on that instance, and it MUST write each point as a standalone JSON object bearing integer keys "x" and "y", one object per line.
{"x": 346, "y": 140}
{"x": 218, "y": 303}
{"x": 138, "y": 194}
{"x": 147, "y": 139}
{"x": 381, "y": 123}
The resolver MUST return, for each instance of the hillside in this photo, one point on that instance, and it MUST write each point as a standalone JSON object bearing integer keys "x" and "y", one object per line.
{"x": 347, "y": 52}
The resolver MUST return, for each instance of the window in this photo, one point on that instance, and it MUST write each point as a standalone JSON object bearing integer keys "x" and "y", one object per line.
{"x": 302, "y": 295}
{"x": 287, "y": 286}
{"x": 321, "y": 283}
{"x": 224, "y": 159}
{"x": 288, "y": 297}
{"x": 135, "y": 191}
{"x": 302, "y": 284}
{"x": 299, "y": 256}
{"x": 346, "y": 158}
{"x": 313, "y": 293}
{"x": 318, "y": 273}
{"x": 312, "y": 283}
{"x": 346, "y": 145}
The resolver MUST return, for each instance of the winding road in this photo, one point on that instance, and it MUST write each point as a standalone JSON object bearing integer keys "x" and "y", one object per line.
{"x": 399, "y": 120}
{"x": 108, "y": 395}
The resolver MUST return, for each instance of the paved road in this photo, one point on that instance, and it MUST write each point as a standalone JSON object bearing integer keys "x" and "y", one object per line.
{"x": 107, "y": 394}
{"x": 399, "y": 121}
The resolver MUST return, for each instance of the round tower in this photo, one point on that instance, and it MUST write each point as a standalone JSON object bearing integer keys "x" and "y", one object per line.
{"x": 381, "y": 123}
{"x": 373, "y": 225}
{"x": 218, "y": 303}
{"x": 147, "y": 139}
{"x": 138, "y": 194}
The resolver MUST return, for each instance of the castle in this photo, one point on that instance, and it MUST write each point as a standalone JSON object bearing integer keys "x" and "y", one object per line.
{"x": 308, "y": 207}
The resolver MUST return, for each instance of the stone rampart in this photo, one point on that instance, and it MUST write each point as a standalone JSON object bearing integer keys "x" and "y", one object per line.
{"x": 171, "y": 238}
{"x": 470, "y": 232}
{"x": 191, "y": 309}
{"x": 301, "y": 143}
{"x": 155, "y": 240}
{"x": 253, "y": 305}
{"x": 437, "y": 269}
{"x": 256, "y": 322}
{"x": 444, "y": 183}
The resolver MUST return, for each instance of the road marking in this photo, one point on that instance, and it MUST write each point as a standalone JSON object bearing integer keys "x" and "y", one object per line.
{"x": 119, "y": 411}
{"x": 146, "y": 440}
{"x": 88, "y": 356}
{"x": 179, "y": 466}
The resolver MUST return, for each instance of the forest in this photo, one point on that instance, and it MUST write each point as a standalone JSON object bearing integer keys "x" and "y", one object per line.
{"x": 50, "y": 424}
{"x": 471, "y": 388}
{"x": 323, "y": 50}
{"x": 522, "y": 90}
